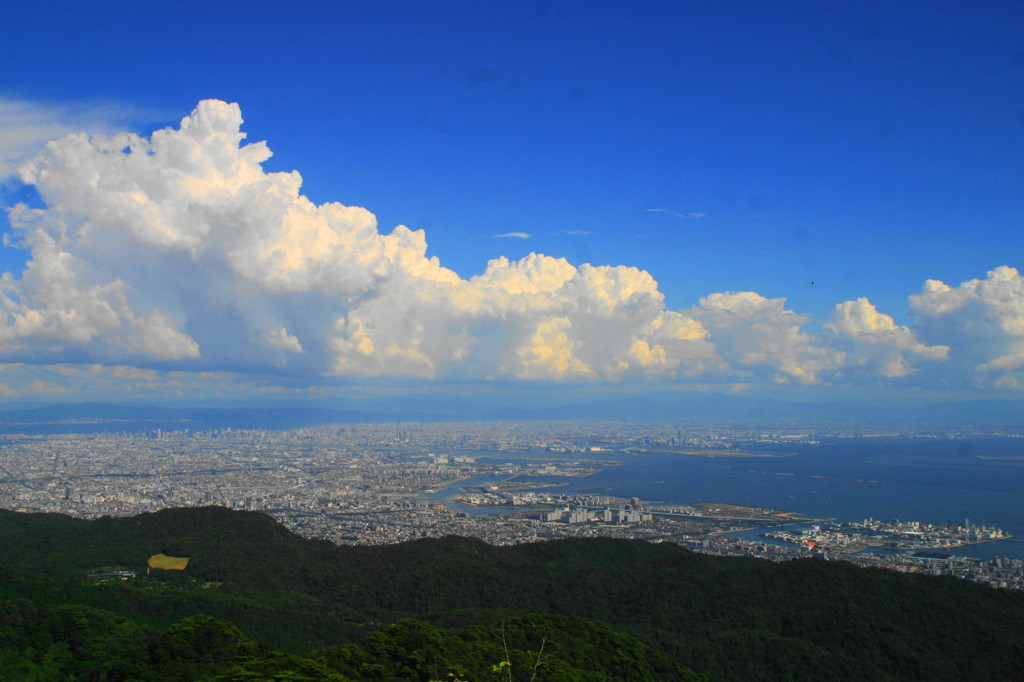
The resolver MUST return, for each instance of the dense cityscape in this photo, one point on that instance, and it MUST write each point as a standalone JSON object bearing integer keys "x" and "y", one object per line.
{"x": 498, "y": 481}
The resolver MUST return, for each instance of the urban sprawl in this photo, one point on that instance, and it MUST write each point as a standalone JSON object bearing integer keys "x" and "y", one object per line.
{"x": 386, "y": 483}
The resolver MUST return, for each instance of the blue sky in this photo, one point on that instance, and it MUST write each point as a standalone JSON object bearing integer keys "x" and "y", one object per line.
{"x": 835, "y": 155}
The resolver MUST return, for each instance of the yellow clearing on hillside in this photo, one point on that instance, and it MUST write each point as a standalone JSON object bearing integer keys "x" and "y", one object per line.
{"x": 172, "y": 563}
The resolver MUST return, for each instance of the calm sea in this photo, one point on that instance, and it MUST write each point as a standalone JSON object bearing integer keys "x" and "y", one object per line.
{"x": 928, "y": 480}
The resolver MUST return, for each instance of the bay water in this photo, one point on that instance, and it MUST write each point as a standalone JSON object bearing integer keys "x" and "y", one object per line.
{"x": 931, "y": 480}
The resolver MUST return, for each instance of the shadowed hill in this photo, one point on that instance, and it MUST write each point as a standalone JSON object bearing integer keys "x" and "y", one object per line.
{"x": 732, "y": 618}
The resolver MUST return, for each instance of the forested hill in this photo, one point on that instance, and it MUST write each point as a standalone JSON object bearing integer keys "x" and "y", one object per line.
{"x": 601, "y": 609}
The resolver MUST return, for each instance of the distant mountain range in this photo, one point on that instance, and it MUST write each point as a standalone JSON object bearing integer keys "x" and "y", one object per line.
{"x": 109, "y": 417}
{"x": 258, "y": 602}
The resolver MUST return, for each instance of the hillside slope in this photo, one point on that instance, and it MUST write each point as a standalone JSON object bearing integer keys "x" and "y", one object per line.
{"x": 731, "y": 618}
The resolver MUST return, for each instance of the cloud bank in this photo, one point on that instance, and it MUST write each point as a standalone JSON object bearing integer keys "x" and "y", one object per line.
{"x": 179, "y": 252}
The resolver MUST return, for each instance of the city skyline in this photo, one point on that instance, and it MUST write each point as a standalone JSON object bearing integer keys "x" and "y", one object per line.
{"x": 517, "y": 482}
{"x": 334, "y": 202}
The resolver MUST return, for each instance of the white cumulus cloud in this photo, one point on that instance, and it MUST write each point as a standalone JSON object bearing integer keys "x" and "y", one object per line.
{"x": 874, "y": 339}
{"x": 982, "y": 320}
{"x": 760, "y": 334}
{"x": 26, "y": 126}
{"x": 280, "y": 338}
{"x": 178, "y": 251}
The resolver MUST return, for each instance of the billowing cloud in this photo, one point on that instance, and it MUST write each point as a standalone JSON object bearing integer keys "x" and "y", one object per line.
{"x": 25, "y": 126}
{"x": 981, "y": 319}
{"x": 181, "y": 248}
{"x": 760, "y": 334}
{"x": 178, "y": 252}
{"x": 280, "y": 338}
{"x": 874, "y": 339}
